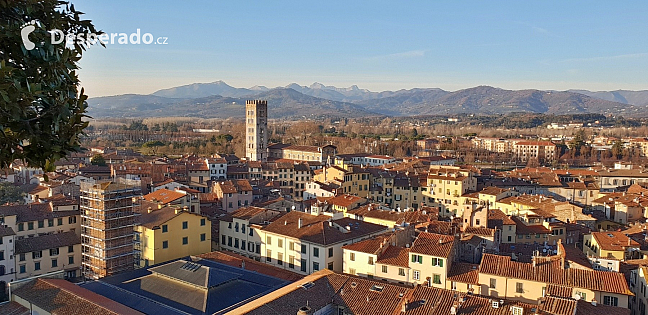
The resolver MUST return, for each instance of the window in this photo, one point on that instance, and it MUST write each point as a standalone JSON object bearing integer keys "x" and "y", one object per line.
{"x": 417, "y": 259}
{"x": 258, "y": 249}
{"x": 72, "y": 220}
{"x": 22, "y": 268}
{"x": 436, "y": 278}
{"x": 330, "y": 266}
{"x": 37, "y": 265}
{"x": 22, "y": 257}
{"x": 453, "y": 285}
{"x": 41, "y": 224}
{"x": 268, "y": 240}
{"x": 384, "y": 269}
{"x": 268, "y": 255}
{"x": 36, "y": 255}
{"x": 330, "y": 250}
{"x": 280, "y": 258}
{"x": 519, "y": 288}
{"x": 493, "y": 283}
{"x": 303, "y": 265}
{"x": 352, "y": 256}
{"x": 50, "y": 222}
{"x": 1, "y": 255}
{"x": 59, "y": 221}
{"x": 291, "y": 245}
{"x": 185, "y": 240}
{"x": 165, "y": 228}
{"x": 185, "y": 225}
{"x": 401, "y": 272}
{"x": 251, "y": 232}
{"x": 303, "y": 249}
{"x": 54, "y": 251}
{"x": 203, "y": 222}
{"x": 30, "y": 225}
{"x": 610, "y": 300}
{"x": 165, "y": 244}
{"x": 243, "y": 228}
{"x": 291, "y": 262}
{"x": 223, "y": 239}
{"x": 280, "y": 243}
{"x": 516, "y": 310}
{"x": 71, "y": 260}
{"x": 582, "y": 295}
{"x": 236, "y": 243}
{"x": 434, "y": 261}
{"x": 370, "y": 261}
{"x": 417, "y": 275}
{"x": 352, "y": 271}
{"x": 203, "y": 237}
{"x": 315, "y": 266}
{"x": 54, "y": 263}
{"x": 21, "y": 226}
{"x": 316, "y": 251}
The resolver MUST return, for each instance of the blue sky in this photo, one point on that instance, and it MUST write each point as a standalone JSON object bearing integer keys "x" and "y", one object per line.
{"x": 378, "y": 45}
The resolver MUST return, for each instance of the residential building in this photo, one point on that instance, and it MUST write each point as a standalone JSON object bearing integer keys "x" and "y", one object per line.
{"x": 176, "y": 198}
{"x": 217, "y": 168}
{"x": 431, "y": 256}
{"x": 170, "y": 233}
{"x": 639, "y": 286}
{"x": 233, "y": 194}
{"x": 306, "y": 243}
{"x": 542, "y": 150}
{"x": 238, "y": 231}
{"x": 611, "y": 245}
{"x": 7, "y": 262}
{"x": 302, "y": 152}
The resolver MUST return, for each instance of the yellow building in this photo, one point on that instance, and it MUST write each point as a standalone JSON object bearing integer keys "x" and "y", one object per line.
{"x": 610, "y": 245}
{"x": 446, "y": 186}
{"x": 500, "y": 277}
{"x": 352, "y": 180}
{"x": 430, "y": 258}
{"x": 170, "y": 233}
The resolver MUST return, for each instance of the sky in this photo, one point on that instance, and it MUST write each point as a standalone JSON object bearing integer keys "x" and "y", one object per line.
{"x": 377, "y": 45}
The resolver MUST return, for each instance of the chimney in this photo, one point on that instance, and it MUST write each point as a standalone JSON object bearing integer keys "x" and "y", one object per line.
{"x": 304, "y": 310}
{"x": 299, "y": 223}
{"x": 594, "y": 302}
{"x": 149, "y": 210}
{"x": 178, "y": 210}
{"x": 404, "y": 305}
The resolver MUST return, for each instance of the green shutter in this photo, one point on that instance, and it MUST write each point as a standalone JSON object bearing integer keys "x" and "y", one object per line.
{"x": 440, "y": 262}
{"x": 420, "y": 259}
{"x": 413, "y": 258}
{"x": 434, "y": 261}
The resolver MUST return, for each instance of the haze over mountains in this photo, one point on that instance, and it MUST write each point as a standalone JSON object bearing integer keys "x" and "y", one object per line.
{"x": 220, "y": 100}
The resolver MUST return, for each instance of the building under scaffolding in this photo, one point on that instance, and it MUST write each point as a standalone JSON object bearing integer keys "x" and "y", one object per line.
{"x": 107, "y": 221}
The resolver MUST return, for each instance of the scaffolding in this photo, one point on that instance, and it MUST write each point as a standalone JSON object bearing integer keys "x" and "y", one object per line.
{"x": 107, "y": 226}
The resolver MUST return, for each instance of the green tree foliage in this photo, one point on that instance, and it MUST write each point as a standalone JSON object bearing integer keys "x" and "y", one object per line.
{"x": 10, "y": 193}
{"x": 98, "y": 159}
{"x": 41, "y": 107}
{"x": 617, "y": 149}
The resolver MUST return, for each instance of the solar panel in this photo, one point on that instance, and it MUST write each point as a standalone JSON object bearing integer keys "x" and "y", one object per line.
{"x": 190, "y": 266}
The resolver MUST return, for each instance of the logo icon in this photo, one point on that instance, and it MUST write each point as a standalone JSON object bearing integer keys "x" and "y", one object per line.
{"x": 25, "y": 30}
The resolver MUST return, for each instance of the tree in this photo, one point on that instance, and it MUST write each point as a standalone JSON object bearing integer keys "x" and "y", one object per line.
{"x": 10, "y": 193}
{"x": 617, "y": 149}
{"x": 98, "y": 159}
{"x": 41, "y": 107}
{"x": 153, "y": 145}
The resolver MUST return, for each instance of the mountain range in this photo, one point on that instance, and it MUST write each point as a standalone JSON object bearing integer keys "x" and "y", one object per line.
{"x": 220, "y": 100}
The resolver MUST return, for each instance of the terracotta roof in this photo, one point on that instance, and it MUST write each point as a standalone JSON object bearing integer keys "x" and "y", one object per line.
{"x": 464, "y": 273}
{"x": 345, "y": 200}
{"x": 246, "y": 213}
{"x": 614, "y": 241}
{"x": 43, "y": 242}
{"x": 491, "y": 190}
{"x": 433, "y": 244}
{"x": 395, "y": 256}
{"x": 234, "y": 186}
{"x": 13, "y": 308}
{"x": 551, "y": 273}
{"x": 318, "y": 230}
{"x": 370, "y": 246}
{"x": 158, "y": 217}
{"x": 164, "y": 196}
{"x": 58, "y": 296}
{"x": 559, "y": 290}
{"x": 523, "y": 229}
{"x": 497, "y": 218}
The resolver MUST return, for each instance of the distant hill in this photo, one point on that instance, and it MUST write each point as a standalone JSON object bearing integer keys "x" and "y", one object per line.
{"x": 622, "y": 96}
{"x": 283, "y": 103}
{"x": 198, "y": 90}
{"x": 490, "y": 100}
{"x": 218, "y": 99}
